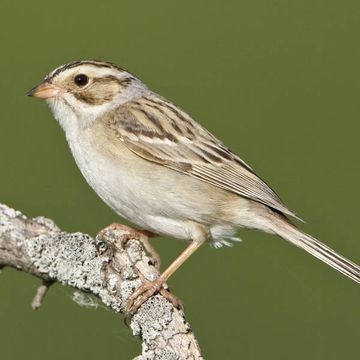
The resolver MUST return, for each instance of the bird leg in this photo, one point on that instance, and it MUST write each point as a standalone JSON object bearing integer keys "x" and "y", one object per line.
{"x": 141, "y": 235}
{"x": 149, "y": 288}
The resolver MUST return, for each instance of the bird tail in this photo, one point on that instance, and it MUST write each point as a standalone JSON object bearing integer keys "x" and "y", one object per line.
{"x": 284, "y": 228}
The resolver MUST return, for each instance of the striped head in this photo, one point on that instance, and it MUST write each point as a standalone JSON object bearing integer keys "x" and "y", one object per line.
{"x": 82, "y": 91}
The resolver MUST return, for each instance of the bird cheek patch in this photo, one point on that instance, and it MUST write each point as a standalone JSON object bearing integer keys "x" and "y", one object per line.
{"x": 99, "y": 92}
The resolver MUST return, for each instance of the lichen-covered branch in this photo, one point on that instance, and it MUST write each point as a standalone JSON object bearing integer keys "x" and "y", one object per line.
{"x": 108, "y": 267}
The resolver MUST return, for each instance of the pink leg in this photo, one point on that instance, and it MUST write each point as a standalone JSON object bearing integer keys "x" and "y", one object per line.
{"x": 149, "y": 288}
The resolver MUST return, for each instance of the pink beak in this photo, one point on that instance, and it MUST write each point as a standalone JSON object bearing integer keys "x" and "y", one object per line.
{"x": 45, "y": 91}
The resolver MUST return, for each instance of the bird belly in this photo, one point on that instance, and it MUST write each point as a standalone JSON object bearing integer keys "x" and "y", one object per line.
{"x": 152, "y": 196}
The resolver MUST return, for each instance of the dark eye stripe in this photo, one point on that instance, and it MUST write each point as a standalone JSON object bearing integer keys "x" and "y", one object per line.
{"x": 101, "y": 89}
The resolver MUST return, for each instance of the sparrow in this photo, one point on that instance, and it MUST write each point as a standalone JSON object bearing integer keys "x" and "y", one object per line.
{"x": 158, "y": 168}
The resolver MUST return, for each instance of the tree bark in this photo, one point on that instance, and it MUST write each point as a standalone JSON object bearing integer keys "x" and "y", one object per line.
{"x": 109, "y": 266}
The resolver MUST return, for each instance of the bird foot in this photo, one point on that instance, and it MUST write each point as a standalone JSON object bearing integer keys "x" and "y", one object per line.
{"x": 146, "y": 291}
{"x": 117, "y": 226}
{"x": 141, "y": 235}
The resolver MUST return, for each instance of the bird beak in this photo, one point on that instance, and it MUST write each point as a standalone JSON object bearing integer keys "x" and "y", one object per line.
{"x": 45, "y": 91}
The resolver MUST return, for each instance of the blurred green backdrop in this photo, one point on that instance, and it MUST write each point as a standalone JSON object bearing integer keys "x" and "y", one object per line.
{"x": 278, "y": 82}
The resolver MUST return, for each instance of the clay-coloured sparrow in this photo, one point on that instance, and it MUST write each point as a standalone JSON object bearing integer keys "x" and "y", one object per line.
{"x": 157, "y": 167}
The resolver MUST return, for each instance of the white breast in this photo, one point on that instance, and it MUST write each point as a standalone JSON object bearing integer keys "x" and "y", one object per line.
{"x": 110, "y": 179}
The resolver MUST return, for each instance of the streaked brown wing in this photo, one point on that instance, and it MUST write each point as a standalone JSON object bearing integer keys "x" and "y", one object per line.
{"x": 158, "y": 131}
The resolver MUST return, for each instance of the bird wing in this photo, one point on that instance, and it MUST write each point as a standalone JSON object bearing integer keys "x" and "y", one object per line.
{"x": 158, "y": 131}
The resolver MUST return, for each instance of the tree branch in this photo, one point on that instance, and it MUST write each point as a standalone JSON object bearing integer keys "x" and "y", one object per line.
{"x": 107, "y": 267}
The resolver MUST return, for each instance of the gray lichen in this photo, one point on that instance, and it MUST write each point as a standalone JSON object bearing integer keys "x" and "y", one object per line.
{"x": 107, "y": 267}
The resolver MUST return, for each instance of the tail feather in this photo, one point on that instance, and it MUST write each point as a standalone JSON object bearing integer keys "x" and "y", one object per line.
{"x": 289, "y": 232}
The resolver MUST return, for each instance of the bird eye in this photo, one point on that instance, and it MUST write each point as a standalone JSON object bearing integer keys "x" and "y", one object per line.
{"x": 81, "y": 80}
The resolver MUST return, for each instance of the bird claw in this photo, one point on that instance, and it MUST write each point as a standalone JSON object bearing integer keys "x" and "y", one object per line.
{"x": 146, "y": 291}
{"x": 142, "y": 294}
{"x": 142, "y": 235}
{"x": 177, "y": 302}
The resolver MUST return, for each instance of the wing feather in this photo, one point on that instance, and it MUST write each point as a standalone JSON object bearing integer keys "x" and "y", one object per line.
{"x": 158, "y": 131}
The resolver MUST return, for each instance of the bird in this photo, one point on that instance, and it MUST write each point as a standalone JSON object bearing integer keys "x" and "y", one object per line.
{"x": 155, "y": 166}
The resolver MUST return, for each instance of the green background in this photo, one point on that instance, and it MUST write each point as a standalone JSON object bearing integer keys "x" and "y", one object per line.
{"x": 278, "y": 82}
